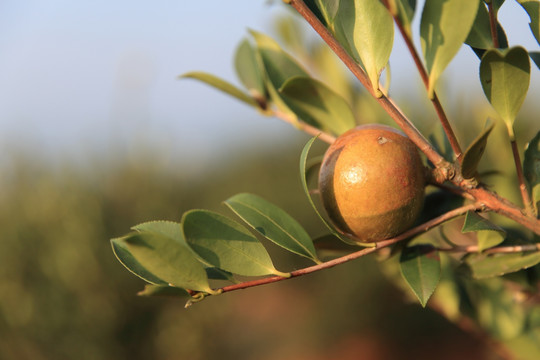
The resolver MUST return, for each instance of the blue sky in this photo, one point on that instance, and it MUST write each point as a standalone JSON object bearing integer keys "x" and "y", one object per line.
{"x": 77, "y": 76}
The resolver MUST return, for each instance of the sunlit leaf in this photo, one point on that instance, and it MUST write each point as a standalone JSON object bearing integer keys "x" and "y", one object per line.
{"x": 222, "y": 85}
{"x": 303, "y": 162}
{"x": 315, "y": 103}
{"x": 160, "y": 290}
{"x": 373, "y": 37}
{"x": 532, "y": 7}
{"x": 328, "y": 9}
{"x": 248, "y": 69}
{"x": 485, "y": 266}
{"x": 124, "y": 256}
{"x": 421, "y": 268}
{"x": 168, "y": 259}
{"x": 279, "y": 66}
{"x": 473, "y": 154}
{"x": 531, "y": 168}
{"x": 273, "y": 223}
{"x": 404, "y": 9}
{"x": 505, "y": 75}
{"x": 226, "y": 244}
{"x": 170, "y": 229}
{"x": 488, "y": 233}
{"x": 444, "y": 27}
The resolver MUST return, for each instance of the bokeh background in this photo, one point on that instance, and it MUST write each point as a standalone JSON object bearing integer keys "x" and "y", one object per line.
{"x": 97, "y": 134}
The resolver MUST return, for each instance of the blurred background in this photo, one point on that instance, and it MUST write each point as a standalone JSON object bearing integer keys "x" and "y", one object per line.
{"x": 97, "y": 135}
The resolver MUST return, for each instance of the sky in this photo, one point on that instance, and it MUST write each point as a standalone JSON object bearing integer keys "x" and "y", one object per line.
{"x": 79, "y": 77}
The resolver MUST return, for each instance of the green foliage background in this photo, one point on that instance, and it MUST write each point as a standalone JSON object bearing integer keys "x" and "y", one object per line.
{"x": 63, "y": 295}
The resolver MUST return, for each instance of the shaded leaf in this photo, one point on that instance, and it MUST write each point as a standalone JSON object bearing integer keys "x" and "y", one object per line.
{"x": 226, "y": 244}
{"x": 532, "y": 7}
{"x": 484, "y": 266}
{"x": 489, "y": 234}
{"x": 444, "y": 26}
{"x": 404, "y": 10}
{"x": 328, "y": 9}
{"x": 160, "y": 290}
{"x": 504, "y": 75}
{"x": 124, "y": 256}
{"x": 315, "y": 103}
{"x": 421, "y": 268}
{"x": 473, "y": 154}
{"x": 480, "y": 35}
{"x": 535, "y": 56}
{"x": 303, "y": 161}
{"x": 222, "y": 85}
{"x": 278, "y": 66}
{"x": 373, "y": 38}
{"x": 531, "y": 168}
{"x": 248, "y": 69}
{"x": 273, "y": 223}
{"x": 168, "y": 259}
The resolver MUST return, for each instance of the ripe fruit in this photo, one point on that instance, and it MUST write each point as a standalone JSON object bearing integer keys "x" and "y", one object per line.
{"x": 372, "y": 182}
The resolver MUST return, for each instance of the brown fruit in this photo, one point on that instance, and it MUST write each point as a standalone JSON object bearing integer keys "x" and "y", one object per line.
{"x": 372, "y": 182}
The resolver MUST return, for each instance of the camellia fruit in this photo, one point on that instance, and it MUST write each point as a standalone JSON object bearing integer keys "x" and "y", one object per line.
{"x": 372, "y": 182}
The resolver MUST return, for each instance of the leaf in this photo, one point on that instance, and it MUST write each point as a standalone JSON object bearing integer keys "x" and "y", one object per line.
{"x": 160, "y": 290}
{"x": 373, "y": 38}
{"x": 124, "y": 256}
{"x": 444, "y": 26}
{"x": 328, "y": 9}
{"x": 222, "y": 85}
{"x": 489, "y": 234}
{"x": 404, "y": 10}
{"x": 279, "y": 66}
{"x": 483, "y": 266}
{"x": 532, "y": 7}
{"x": 248, "y": 69}
{"x": 168, "y": 259}
{"x": 505, "y": 79}
{"x": 535, "y": 56}
{"x": 473, "y": 154}
{"x": 531, "y": 168}
{"x": 273, "y": 223}
{"x": 421, "y": 268}
{"x": 170, "y": 229}
{"x": 226, "y": 244}
{"x": 303, "y": 161}
{"x": 315, "y": 103}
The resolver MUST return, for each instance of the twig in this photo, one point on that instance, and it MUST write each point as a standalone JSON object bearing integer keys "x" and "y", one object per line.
{"x": 425, "y": 79}
{"x": 408, "y": 128}
{"x": 527, "y": 202}
{"x": 341, "y": 260}
{"x": 494, "y": 250}
{"x": 493, "y": 25}
{"x": 311, "y": 130}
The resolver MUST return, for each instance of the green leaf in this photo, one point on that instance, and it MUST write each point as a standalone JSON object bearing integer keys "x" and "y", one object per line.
{"x": 489, "y": 234}
{"x": 535, "y": 56}
{"x": 531, "y": 168}
{"x": 373, "y": 38}
{"x": 168, "y": 259}
{"x": 273, "y": 223}
{"x": 404, "y": 10}
{"x": 317, "y": 104}
{"x": 480, "y": 35}
{"x": 444, "y": 26}
{"x": 279, "y": 66}
{"x": 303, "y": 162}
{"x": 170, "y": 229}
{"x": 248, "y": 69}
{"x": 421, "y": 268}
{"x": 484, "y": 266}
{"x": 226, "y": 244}
{"x": 222, "y": 85}
{"x": 126, "y": 258}
{"x": 473, "y": 154}
{"x": 532, "y": 7}
{"x": 328, "y": 9}
{"x": 160, "y": 290}
{"x": 505, "y": 79}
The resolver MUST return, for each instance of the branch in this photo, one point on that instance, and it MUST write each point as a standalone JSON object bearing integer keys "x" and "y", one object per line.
{"x": 388, "y": 105}
{"x": 494, "y": 250}
{"x": 527, "y": 202}
{"x": 493, "y": 25}
{"x": 425, "y": 79}
{"x": 341, "y": 260}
